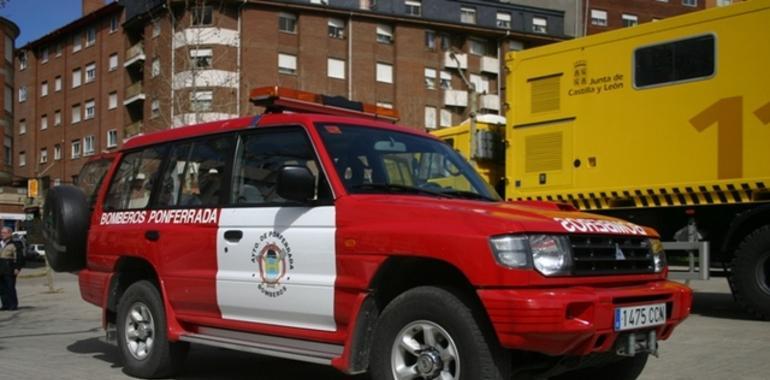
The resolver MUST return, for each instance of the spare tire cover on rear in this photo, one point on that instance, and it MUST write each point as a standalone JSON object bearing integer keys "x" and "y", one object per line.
{"x": 66, "y": 216}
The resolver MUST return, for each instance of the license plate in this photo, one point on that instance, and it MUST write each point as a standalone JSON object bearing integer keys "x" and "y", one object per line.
{"x": 635, "y": 317}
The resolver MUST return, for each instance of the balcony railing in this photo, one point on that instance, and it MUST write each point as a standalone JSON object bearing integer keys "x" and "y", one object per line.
{"x": 134, "y": 54}
{"x": 132, "y": 129}
{"x": 134, "y": 92}
{"x": 452, "y": 64}
{"x": 490, "y": 65}
{"x": 456, "y": 98}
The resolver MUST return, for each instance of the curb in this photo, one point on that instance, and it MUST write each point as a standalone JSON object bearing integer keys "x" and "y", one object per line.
{"x": 33, "y": 275}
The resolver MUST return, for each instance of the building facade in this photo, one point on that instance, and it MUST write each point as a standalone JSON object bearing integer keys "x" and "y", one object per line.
{"x": 11, "y": 198}
{"x": 604, "y": 15}
{"x": 139, "y": 66}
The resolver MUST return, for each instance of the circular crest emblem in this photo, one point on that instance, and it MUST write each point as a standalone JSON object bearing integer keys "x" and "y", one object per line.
{"x": 274, "y": 261}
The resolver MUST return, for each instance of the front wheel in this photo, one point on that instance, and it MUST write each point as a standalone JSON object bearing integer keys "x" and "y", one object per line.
{"x": 142, "y": 337}
{"x": 429, "y": 333}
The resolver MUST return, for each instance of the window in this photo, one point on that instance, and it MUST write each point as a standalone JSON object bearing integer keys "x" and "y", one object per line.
{"x": 90, "y": 36}
{"x": 76, "y": 113}
{"x": 90, "y": 72}
{"x": 446, "y": 80}
{"x": 22, "y": 126}
{"x": 8, "y": 99}
{"x": 287, "y": 22}
{"x": 201, "y": 100}
{"x": 430, "y": 39}
{"x": 722, "y": 3}
{"x": 8, "y": 49}
{"x": 22, "y": 158}
{"x": 504, "y": 20}
{"x": 155, "y": 28}
{"x": 336, "y": 28}
{"x": 446, "y": 118}
{"x": 23, "y": 60}
{"x": 430, "y": 78}
{"x": 477, "y": 47}
{"x": 446, "y": 41}
{"x": 113, "y": 63}
{"x": 112, "y": 138}
{"x": 676, "y": 61}
{"x": 155, "y": 68}
{"x": 467, "y": 15}
{"x": 155, "y": 108}
{"x": 260, "y": 157}
{"x": 88, "y": 145}
{"x": 201, "y": 58}
{"x": 57, "y": 152}
{"x": 690, "y": 3}
{"x": 539, "y": 25}
{"x": 598, "y": 17}
{"x": 336, "y": 68}
{"x": 113, "y": 23}
{"x": 59, "y": 49}
{"x": 77, "y": 77}
{"x": 75, "y": 151}
{"x": 57, "y": 83}
{"x": 384, "y": 34}
{"x": 196, "y": 172}
{"x": 8, "y": 143}
{"x": 287, "y": 63}
{"x": 202, "y": 16}
{"x": 43, "y": 122}
{"x": 22, "y": 94}
{"x": 413, "y": 7}
{"x": 630, "y": 20}
{"x": 430, "y": 117}
{"x": 112, "y": 102}
{"x": 57, "y": 118}
{"x": 384, "y": 73}
{"x": 44, "y": 55}
{"x": 77, "y": 42}
{"x": 43, "y": 155}
{"x": 90, "y": 109}
{"x": 44, "y": 89}
{"x": 132, "y": 183}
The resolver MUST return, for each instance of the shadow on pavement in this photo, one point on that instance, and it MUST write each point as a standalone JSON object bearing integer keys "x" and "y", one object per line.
{"x": 718, "y": 305}
{"x": 104, "y": 351}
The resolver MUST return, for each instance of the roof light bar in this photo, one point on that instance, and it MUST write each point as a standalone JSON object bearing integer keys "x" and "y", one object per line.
{"x": 280, "y": 99}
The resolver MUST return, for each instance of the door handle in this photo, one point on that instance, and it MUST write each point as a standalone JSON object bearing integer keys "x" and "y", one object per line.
{"x": 152, "y": 235}
{"x": 233, "y": 236}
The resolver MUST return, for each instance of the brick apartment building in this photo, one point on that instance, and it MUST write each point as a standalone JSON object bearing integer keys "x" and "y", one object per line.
{"x": 138, "y": 66}
{"x": 11, "y": 198}
{"x": 604, "y": 15}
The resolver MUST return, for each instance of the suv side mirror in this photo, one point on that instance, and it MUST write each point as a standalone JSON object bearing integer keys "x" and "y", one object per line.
{"x": 296, "y": 183}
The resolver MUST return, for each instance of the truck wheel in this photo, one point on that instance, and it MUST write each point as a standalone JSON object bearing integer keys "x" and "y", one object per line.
{"x": 429, "y": 333}
{"x": 750, "y": 274}
{"x": 65, "y": 226}
{"x": 142, "y": 338}
{"x": 623, "y": 369}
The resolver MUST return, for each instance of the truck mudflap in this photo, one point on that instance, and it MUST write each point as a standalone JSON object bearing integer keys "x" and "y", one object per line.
{"x": 584, "y": 320}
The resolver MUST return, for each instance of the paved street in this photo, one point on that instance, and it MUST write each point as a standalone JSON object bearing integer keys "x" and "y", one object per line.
{"x": 56, "y": 336}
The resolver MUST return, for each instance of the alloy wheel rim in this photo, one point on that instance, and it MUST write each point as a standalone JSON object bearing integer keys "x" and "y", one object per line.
{"x": 424, "y": 350}
{"x": 139, "y": 331}
{"x": 763, "y": 272}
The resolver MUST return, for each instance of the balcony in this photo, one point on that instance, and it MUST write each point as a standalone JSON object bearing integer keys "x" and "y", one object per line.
{"x": 134, "y": 54}
{"x": 455, "y": 98}
{"x": 132, "y": 129}
{"x": 490, "y": 65}
{"x": 452, "y": 64}
{"x": 489, "y": 102}
{"x": 134, "y": 93}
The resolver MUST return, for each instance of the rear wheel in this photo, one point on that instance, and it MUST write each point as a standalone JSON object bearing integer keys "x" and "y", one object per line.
{"x": 623, "y": 369}
{"x": 142, "y": 337}
{"x": 750, "y": 274}
{"x": 429, "y": 333}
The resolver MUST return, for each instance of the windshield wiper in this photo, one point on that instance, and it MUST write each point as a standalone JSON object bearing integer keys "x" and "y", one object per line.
{"x": 467, "y": 195}
{"x": 396, "y": 188}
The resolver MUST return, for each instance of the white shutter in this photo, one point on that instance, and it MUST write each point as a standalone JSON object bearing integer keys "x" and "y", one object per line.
{"x": 287, "y": 61}
{"x": 384, "y": 73}
{"x": 430, "y": 117}
{"x": 336, "y": 68}
{"x": 194, "y": 53}
{"x": 504, "y": 16}
{"x": 539, "y": 21}
{"x": 446, "y": 118}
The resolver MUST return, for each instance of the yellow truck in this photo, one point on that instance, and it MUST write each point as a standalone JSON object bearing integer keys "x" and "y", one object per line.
{"x": 666, "y": 124}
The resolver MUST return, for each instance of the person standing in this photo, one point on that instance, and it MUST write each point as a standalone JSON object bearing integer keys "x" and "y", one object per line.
{"x": 9, "y": 269}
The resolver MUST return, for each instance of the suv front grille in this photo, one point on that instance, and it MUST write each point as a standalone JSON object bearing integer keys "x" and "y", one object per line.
{"x": 600, "y": 255}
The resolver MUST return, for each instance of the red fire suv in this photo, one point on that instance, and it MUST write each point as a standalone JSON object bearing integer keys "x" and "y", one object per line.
{"x": 319, "y": 233}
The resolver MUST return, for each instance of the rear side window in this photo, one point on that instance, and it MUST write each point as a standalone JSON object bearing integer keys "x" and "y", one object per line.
{"x": 90, "y": 177}
{"x": 677, "y": 61}
{"x": 132, "y": 184}
{"x": 196, "y": 173}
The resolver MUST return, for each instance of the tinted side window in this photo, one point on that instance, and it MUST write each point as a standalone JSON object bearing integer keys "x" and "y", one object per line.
{"x": 675, "y": 61}
{"x": 132, "y": 184}
{"x": 259, "y": 158}
{"x": 196, "y": 173}
{"x": 91, "y": 176}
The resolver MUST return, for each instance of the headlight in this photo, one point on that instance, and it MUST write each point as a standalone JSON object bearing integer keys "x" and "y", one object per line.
{"x": 658, "y": 255}
{"x": 550, "y": 254}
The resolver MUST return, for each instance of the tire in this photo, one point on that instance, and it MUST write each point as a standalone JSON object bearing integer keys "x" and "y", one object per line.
{"x": 66, "y": 217}
{"x": 750, "y": 273}
{"x": 462, "y": 347}
{"x": 623, "y": 369}
{"x": 142, "y": 334}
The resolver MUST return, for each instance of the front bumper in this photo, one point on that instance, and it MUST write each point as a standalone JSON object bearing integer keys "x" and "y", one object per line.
{"x": 576, "y": 320}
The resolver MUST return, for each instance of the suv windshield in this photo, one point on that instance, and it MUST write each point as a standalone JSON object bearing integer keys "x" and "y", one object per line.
{"x": 370, "y": 160}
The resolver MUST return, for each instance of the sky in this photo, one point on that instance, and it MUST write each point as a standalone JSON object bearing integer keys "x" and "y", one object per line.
{"x": 37, "y": 18}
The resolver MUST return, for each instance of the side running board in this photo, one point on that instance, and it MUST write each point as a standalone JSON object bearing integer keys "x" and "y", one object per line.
{"x": 312, "y": 352}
